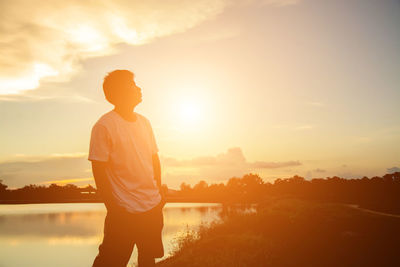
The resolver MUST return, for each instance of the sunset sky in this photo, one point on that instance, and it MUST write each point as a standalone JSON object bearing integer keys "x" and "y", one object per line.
{"x": 274, "y": 87}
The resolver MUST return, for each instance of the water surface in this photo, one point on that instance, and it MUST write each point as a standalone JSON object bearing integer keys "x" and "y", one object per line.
{"x": 68, "y": 234}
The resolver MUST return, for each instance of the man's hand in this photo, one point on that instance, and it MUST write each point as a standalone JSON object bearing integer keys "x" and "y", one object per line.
{"x": 157, "y": 169}
{"x": 163, "y": 192}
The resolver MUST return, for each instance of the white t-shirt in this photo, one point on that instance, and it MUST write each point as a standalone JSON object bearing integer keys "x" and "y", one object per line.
{"x": 128, "y": 147}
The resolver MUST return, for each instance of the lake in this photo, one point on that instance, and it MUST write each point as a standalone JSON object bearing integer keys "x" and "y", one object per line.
{"x": 68, "y": 234}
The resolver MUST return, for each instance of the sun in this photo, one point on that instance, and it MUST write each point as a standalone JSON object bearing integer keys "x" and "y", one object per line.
{"x": 190, "y": 112}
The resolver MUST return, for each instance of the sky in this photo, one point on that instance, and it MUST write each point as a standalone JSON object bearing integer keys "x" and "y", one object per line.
{"x": 273, "y": 87}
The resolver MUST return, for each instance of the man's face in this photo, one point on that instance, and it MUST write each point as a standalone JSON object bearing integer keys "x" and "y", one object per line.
{"x": 130, "y": 94}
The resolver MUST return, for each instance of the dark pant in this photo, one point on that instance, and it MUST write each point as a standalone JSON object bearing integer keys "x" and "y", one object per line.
{"x": 122, "y": 230}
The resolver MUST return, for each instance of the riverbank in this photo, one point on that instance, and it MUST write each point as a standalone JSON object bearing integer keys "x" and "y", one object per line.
{"x": 293, "y": 233}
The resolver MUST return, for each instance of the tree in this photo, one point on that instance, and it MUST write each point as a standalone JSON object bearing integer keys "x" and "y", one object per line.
{"x": 3, "y": 187}
{"x": 185, "y": 187}
{"x": 234, "y": 184}
{"x": 200, "y": 186}
{"x": 396, "y": 177}
{"x": 252, "y": 180}
{"x": 388, "y": 178}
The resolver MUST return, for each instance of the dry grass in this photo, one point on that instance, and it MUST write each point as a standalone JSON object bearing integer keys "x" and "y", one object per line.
{"x": 292, "y": 233}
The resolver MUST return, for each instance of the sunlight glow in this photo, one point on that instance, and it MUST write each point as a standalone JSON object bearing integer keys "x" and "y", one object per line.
{"x": 129, "y": 35}
{"x": 88, "y": 38}
{"x": 191, "y": 109}
{"x": 62, "y": 34}
{"x": 18, "y": 84}
{"x": 190, "y": 112}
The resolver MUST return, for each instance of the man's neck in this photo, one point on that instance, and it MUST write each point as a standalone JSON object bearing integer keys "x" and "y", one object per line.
{"x": 126, "y": 113}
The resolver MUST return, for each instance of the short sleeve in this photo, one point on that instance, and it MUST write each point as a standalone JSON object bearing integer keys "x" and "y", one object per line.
{"x": 154, "y": 147}
{"x": 100, "y": 143}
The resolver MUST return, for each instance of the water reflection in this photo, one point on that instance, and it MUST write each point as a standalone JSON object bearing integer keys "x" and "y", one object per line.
{"x": 69, "y": 234}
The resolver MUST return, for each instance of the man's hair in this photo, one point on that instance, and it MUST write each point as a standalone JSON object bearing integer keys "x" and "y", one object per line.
{"x": 114, "y": 81}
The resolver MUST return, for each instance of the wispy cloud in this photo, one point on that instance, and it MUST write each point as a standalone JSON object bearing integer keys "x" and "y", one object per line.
{"x": 274, "y": 165}
{"x": 37, "y": 98}
{"x": 393, "y": 170}
{"x": 22, "y": 170}
{"x": 47, "y": 41}
{"x": 304, "y": 127}
{"x": 280, "y": 2}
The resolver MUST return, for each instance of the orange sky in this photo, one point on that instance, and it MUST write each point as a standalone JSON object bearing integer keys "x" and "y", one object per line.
{"x": 276, "y": 87}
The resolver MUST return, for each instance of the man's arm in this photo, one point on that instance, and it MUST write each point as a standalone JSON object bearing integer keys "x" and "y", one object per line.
{"x": 103, "y": 185}
{"x": 157, "y": 175}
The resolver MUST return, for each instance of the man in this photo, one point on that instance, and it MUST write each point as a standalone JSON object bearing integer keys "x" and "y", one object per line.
{"x": 127, "y": 172}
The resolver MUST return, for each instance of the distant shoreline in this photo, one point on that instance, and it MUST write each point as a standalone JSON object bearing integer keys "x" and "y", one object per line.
{"x": 181, "y": 200}
{"x": 170, "y": 200}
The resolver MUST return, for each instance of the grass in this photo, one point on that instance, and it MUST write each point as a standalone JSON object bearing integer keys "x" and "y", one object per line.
{"x": 292, "y": 233}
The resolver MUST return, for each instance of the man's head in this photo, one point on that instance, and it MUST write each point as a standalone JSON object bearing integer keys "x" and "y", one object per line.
{"x": 120, "y": 89}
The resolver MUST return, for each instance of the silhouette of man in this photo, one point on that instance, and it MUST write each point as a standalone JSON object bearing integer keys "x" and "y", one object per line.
{"x": 127, "y": 172}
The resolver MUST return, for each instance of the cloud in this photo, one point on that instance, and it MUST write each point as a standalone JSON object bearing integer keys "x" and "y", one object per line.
{"x": 234, "y": 156}
{"x": 216, "y": 168}
{"x": 280, "y": 2}
{"x": 47, "y": 41}
{"x": 35, "y": 98}
{"x": 23, "y": 170}
{"x": 310, "y": 174}
{"x": 274, "y": 165}
{"x": 393, "y": 170}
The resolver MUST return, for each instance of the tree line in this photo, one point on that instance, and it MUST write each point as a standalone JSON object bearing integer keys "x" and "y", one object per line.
{"x": 51, "y": 193}
{"x": 379, "y": 193}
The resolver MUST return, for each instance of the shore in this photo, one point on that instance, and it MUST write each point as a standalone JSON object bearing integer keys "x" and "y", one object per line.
{"x": 293, "y": 233}
{"x": 170, "y": 200}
